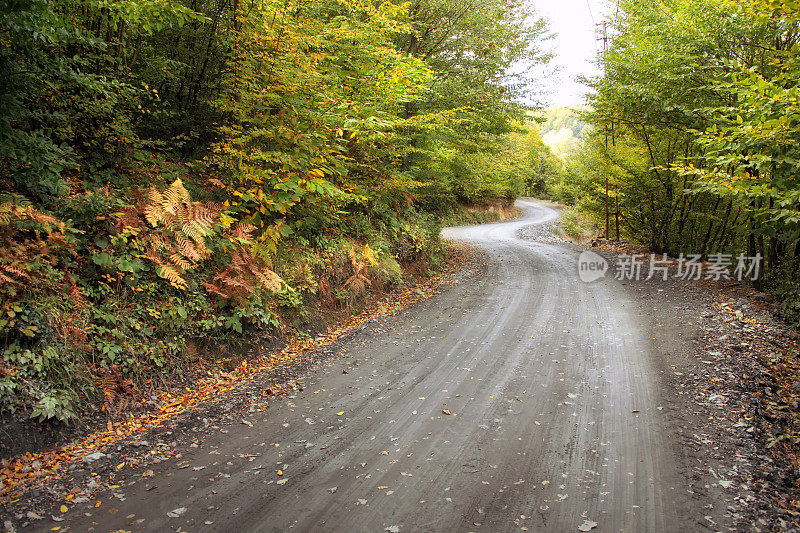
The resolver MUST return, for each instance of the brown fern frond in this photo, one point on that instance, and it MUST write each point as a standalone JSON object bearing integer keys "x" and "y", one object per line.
{"x": 182, "y": 215}
{"x": 215, "y": 207}
{"x": 119, "y": 392}
{"x": 171, "y": 275}
{"x": 179, "y": 261}
{"x": 269, "y": 279}
{"x": 75, "y": 293}
{"x": 240, "y": 261}
{"x": 197, "y": 229}
{"x": 154, "y": 209}
{"x": 175, "y": 195}
{"x": 187, "y": 248}
{"x": 242, "y": 230}
{"x": 15, "y": 271}
{"x": 207, "y": 213}
{"x": 157, "y": 242}
{"x": 74, "y": 335}
{"x": 37, "y": 216}
{"x": 58, "y": 238}
{"x": 8, "y": 280}
{"x": 216, "y": 289}
{"x": 153, "y": 256}
{"x": 357, "y": 283}
{"x": 324, "y": 288}
{"x": 201, "y": 249}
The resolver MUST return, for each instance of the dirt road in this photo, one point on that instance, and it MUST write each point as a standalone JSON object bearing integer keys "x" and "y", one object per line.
{"x": 521, "y": 398}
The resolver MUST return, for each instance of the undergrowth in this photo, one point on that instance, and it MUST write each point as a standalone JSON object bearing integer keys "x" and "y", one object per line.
{"x": 577, "y": 225}
{"x": 92, "y": 309}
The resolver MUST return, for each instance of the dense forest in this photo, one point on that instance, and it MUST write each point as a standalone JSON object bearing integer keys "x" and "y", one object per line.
{"x": 694, "y": 135}
{"x": 173, "y": 170}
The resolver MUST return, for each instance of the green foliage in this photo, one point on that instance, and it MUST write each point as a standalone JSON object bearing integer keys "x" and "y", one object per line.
{"x": 183, "y": 170}
{"x": 695, "y": 134}
{"x": 563, "y": 129}
{"x": 576, "y": 223}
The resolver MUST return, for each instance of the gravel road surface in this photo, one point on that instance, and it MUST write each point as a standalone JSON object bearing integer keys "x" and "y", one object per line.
{"x": 519, "y": 399}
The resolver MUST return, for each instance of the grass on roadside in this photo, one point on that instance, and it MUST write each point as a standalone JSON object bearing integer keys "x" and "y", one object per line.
{"x": 576, "y": 225}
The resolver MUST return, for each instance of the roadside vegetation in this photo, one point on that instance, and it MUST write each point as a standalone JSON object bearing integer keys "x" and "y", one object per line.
{"x": 182, "y": 173}
{"x": 692, "y": 135}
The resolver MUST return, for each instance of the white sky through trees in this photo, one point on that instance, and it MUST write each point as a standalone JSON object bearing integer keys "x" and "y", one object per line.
{"x": 575, "y": 47}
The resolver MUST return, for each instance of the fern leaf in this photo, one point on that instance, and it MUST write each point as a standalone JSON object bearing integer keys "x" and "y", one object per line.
{"x": 171, "y": 275}
{"x": 186, "y": 247}
{"x": 154, "y": 209}
{"x": 269, "y": 279}
{"x": 175, "y": 195}
{"x": 179, "y": 261}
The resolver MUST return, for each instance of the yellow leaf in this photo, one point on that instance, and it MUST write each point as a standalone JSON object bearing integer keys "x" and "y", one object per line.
{"x": 64, "y": 509}
{"x": 340, "y": 413}
{"x": 280, "y": 472}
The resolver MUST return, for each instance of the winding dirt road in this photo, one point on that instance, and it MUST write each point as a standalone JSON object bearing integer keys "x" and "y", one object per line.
{"x": 520, "y": 398}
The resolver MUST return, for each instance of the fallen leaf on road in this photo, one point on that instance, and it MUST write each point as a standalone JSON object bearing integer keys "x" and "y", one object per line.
{"x": 340, "y": 413}
{"x": 393, "y": 529}
{"x": 587, "y": 525}
{"x": 281, "y": 481}
{"x": 175, "y": 513}
{"x": 64, "y": 509}
{"x": 446, "y": 411}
